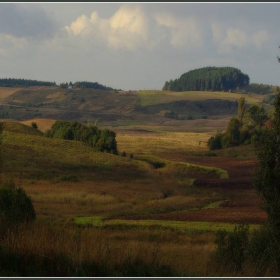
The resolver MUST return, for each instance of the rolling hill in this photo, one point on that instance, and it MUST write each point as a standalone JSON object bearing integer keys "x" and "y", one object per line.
{"x": 121, "y": 108}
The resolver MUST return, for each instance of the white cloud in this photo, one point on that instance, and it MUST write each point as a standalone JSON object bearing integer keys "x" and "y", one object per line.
{"x": 132, "y": 27}
{"x": 82, "y": 23}
{"x": 185, "y": 33}
{"x": 128, "y": 28}
{"x": 227, "y": 37}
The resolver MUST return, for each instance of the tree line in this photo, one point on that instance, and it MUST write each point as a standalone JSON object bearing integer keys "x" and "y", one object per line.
{"x": 92, "y": 85}
{"x": 11, "y": 82}
{"x": 103, "y": 140}
{"x": 209, "y": 79}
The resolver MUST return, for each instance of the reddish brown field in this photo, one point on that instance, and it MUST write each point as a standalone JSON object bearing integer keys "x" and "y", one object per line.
{"x": 242, "y": 204}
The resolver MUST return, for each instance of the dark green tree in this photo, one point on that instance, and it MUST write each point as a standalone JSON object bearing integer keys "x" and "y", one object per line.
{"x": 255, "y": 115}
{"x": 15, "y": 206}
{"x": 233, "y": 131}
{"x": 34, "y": 125}
{"x": 267, "y": 176}
{"x": 241, "y": 109}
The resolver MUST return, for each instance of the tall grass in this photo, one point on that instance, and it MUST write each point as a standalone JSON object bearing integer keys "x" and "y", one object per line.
{"x": 52, "y": 251}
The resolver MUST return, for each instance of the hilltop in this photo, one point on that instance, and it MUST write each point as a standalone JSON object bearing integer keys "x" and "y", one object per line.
{"x": 209, "y": 78}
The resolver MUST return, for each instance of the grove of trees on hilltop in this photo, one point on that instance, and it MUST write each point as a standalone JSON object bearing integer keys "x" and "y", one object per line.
{"x": 92, "y": 85}
{"x": 11, "y": 82}
{"x": 104, "y": 140}
{"x": 209, "y": 79}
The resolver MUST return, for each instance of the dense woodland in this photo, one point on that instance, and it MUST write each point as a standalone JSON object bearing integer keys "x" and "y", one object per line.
{"x": 209, "y": 78}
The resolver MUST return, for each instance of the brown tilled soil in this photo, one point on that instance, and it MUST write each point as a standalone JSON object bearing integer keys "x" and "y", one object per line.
{"x": 243, "y": 208}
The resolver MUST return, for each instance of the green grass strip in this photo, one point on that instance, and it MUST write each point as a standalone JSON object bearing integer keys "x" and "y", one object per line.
{"x": 160, "y": 224}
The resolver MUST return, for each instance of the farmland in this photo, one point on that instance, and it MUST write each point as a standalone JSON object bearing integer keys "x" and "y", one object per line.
{"x": 152, "y": 210}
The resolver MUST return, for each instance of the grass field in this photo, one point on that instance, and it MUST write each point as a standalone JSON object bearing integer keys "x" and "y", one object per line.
{"x": 153, "y": 212}
{"x": 153, "y": 97}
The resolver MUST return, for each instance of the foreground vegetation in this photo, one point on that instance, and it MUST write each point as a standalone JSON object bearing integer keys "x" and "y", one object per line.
{"x": 87, "y": 203}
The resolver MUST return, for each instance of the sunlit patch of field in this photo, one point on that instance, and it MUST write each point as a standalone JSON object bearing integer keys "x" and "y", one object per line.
{"x": 43, "y": 124}
{"x": 158, "y": 143}
{"x": 161, "y": 224}
{"x": 7, "y": 91}
{"x": 153, "y": 97}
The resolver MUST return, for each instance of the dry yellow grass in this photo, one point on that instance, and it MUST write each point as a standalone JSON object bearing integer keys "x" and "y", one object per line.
{"x": 7, "y": 91}
{"x": 158, "y": 143}
{"x": 152, "y": 97}
{"x": 43, "y": 124}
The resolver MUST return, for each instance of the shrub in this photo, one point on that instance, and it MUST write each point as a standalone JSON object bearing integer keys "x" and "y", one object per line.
{"x": 167, "y": 192}
{"x": 67, "y": 178}
{"x": 215, "y": 142}
{"x": 15, "y": 206}
{"x": 34, "y": 125}
{"x": 232, "y": 248}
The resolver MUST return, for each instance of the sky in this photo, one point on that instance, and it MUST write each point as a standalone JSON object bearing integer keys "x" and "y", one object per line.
{"x": 137, "y": 46}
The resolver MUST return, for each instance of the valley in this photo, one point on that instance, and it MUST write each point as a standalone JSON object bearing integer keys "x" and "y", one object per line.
{"x": 159, "y": 202}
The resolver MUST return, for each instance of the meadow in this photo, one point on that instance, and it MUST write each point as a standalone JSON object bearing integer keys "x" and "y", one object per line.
{"x": 151, "y": 204}
{"x": 152, "y": 210}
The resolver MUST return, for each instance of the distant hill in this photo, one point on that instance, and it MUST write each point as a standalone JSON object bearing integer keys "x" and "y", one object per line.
{"x": 209, "y": 79}
{"x": 87, "y": 105}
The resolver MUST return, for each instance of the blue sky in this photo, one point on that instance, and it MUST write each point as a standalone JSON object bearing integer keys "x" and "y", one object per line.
{"x": 135, "y": 46}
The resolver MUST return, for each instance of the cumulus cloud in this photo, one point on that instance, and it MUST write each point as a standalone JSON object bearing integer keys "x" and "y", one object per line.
{"x": 26, "y": 20}
{"x": 185, "y": 32}
{"x": 82, "y": 24}
{"x": 228, "y": 38}
{"x": 131, "y": 28}
{"x": 128, "y": 28}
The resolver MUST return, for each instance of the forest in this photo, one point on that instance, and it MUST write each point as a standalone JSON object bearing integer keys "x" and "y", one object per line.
{"x": 209, "y": 79}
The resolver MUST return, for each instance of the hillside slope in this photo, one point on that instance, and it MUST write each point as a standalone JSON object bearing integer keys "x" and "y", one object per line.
{"x": 89, "y": 105}
{"x": 26, "y": 151}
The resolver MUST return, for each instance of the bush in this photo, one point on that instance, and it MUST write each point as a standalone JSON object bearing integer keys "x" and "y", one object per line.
{"x": 34, "y": 125}
{"x": 15, "y": 206}
{"x": 167, "y": 192}
{"x": 67, "y": 178}
{"x": 215, "y": 142}
{"x": 232, "y": 248}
